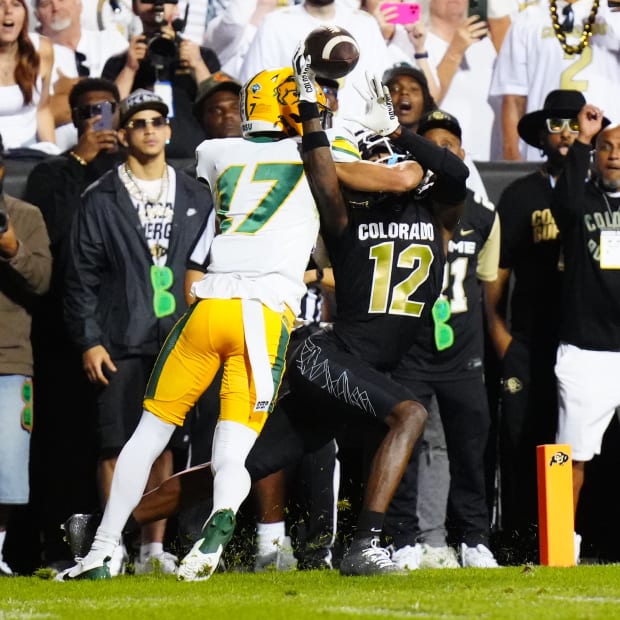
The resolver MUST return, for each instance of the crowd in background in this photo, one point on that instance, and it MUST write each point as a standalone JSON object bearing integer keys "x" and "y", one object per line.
{"x": 495, "y": 85}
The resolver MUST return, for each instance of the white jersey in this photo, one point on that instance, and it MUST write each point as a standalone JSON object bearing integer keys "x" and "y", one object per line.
{"x": 467, "y": 95}
{"x": 268, "y": 221}
{"x": 532, "y": 63}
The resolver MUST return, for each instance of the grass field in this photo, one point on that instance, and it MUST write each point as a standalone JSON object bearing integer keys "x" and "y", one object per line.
{"x": 528, "y": 593}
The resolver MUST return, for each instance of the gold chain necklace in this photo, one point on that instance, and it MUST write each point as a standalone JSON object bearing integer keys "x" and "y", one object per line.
{"x": 584, "y": 39}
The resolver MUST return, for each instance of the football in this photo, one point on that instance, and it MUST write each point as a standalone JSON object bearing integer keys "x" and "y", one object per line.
{"x": 333, "y": 52}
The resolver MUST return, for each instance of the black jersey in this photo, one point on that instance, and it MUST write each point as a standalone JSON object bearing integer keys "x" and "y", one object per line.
{"x": 462, "y": 289}
{"x": 388, "y": 267}
{"x": 530, "y": 248}
{"x": 591, "y": 289}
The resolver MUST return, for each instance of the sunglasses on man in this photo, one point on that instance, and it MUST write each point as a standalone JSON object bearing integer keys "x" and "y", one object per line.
{"x": 142, "y": 123}
{"x": 557, "y": 125}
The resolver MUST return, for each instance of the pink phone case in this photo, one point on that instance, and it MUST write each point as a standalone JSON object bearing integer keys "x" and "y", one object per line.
{"x": 408, "y": 13}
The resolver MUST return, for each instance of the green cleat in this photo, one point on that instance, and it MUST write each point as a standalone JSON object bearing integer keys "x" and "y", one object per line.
{"x": 93, "y": 570}
{"x": 200, "y": 563}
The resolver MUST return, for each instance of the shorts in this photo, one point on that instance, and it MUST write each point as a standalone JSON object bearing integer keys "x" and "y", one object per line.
{"x": 119, "y": 406}
{"x": 588, "y": 394}
{"x": 212, "y": 333}
{"x": 323, "y": 372}
{"x": 16, "y": 424}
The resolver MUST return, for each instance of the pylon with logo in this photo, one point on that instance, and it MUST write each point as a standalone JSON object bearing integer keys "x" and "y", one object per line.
{"x": 556, "y": 520}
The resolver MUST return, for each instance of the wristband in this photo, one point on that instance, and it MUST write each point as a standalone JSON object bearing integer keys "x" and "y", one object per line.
{"x": 308, "y": 111}
{"x": 421, "y": 55}
{"x": 319, "y": 274}
{"x": 80, "y": 160}
{"x": 314, "y": 140}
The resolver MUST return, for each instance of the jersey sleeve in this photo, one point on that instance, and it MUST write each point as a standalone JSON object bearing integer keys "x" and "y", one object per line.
{"x": 199, "y": 255}
{"x": 343, "y": 145}
{"x": 204, "y": 162}
{"x": 488, "y": 258}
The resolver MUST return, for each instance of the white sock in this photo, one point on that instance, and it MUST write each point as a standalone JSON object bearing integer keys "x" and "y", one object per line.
{"x": 104, "y": 544}
{"x": 2, "y": 539}
{"x": 232, "y": 443}
{"x": 132, "y": 471}
{"x": 269, "y": 535}
{"x": 149, "y": 550}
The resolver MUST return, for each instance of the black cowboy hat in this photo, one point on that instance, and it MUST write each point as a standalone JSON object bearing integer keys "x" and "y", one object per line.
{"x": 558, "y": 104}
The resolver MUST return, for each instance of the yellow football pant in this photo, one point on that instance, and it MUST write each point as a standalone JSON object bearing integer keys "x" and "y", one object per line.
{"x": 209, "y": 334}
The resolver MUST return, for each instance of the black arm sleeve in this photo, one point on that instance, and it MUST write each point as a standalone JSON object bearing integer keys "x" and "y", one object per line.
{"x": 451, "y": 171}
{"x": 432, "y": 157}
{"x": 568, "y": 194}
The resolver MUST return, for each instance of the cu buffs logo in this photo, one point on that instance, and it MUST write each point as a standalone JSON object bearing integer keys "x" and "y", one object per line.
{"x": 512, "y": 385}
{"x": 559, "y": 458}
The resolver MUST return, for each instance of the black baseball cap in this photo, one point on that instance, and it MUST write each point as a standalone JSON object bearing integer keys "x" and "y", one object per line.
{"x": 139, "y": 100}
{"x": 404, "y": 68}
{"x": 438, "y": 119}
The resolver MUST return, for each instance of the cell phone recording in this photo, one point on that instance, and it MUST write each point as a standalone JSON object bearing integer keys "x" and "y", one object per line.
{"x": 405, "y": 12}
{"x": 106, "y": 110}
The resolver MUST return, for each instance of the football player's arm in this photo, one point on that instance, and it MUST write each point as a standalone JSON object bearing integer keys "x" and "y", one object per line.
{"x": 371, "y": 177}
{"x": 445, "y": 164}
{"x": 495, "y": 299}
{"x": 321, "y": 172}
{"x": 316, "y": 150}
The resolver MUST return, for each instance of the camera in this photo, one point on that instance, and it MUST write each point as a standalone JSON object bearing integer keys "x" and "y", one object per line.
{"x": 162, "y": 50}
{"x": 4, "y": 221}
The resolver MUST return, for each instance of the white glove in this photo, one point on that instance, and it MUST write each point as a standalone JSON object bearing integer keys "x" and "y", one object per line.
{"x": 304, "y": 75}
{"x": 380, "y": 116}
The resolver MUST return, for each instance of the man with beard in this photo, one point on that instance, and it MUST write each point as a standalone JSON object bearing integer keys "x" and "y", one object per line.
{"x": 530, "y": 251}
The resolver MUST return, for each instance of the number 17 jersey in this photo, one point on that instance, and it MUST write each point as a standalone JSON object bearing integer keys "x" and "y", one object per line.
{"x": 268, "y": 221}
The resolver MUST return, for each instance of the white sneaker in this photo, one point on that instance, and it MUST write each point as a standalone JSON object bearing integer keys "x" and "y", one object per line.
{"x": 577, "y": 542}
{"x": 118, "y": 561}
{"x": 438, "y": 557}
{"x": 5, "y": 570}
{"x": 477, "y": 557}
{"x": 408, "y": 557}
{"x": 163, "y": 564}
{"x": 278, "y": 557}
